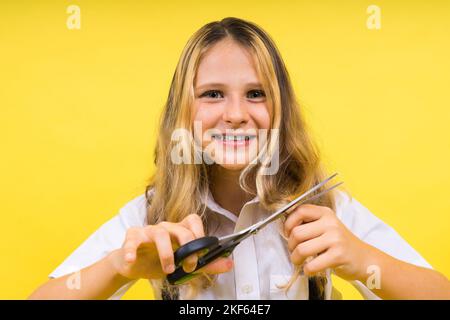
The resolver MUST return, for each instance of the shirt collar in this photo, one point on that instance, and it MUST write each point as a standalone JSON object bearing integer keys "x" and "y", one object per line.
{"x": 214, "y": 206}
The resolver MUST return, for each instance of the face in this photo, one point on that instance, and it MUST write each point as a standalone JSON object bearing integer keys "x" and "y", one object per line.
{"x": 230, "y": 104}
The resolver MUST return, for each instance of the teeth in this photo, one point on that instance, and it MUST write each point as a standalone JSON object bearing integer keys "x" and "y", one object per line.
{"x": 232, "y": 137}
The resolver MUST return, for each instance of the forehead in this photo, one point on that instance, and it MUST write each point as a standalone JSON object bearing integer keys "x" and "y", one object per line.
{"x": 226, "y": 62}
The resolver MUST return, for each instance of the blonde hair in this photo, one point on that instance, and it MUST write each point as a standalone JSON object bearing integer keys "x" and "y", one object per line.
{"x": 299, "y": 162}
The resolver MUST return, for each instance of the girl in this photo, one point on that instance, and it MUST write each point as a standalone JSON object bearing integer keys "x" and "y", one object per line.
{"x": 232, "y": 148}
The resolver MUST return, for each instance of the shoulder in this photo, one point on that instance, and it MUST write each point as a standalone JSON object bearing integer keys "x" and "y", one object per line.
{"x": 372, "y": 230}
{"x": 359, "y": 219}
{"x": 134, "y": 212}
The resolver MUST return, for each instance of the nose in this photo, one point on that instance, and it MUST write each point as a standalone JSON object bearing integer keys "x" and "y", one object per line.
{"x": 236, "y": 113}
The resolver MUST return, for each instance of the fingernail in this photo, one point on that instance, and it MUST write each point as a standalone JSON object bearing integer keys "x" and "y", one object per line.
{"x": 170, "y": 268}
{"x": 129, "y": 257}
{"x": 188, "y": 267}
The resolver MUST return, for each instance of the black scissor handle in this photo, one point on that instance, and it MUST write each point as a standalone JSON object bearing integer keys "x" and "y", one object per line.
{"x": 208, "y": 244}
{"x": 179, "y": 276}
{"x": 194, "y": 246}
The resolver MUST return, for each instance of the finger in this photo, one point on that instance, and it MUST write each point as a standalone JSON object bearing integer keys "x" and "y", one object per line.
{"x": 320, "y": 263}
{"x": 161, "y": 238}
{"x": 194, "y": 223}
{"x": 302, "y": 214}
{"x": 217, "y": 266}
{"x": 305, "y": 232}
{"x": 130, "y": 247}
{"x": 183, "y": 236}
{"x": 307, "y": 249}
{"x": 133, "y": 240}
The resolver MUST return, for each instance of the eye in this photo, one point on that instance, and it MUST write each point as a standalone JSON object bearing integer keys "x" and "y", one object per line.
{"x": 214, "y": 94}
{"x": 255, "y": 94}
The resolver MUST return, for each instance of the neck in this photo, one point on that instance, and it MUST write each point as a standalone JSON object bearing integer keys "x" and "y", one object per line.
{"x": 226, "y": 190}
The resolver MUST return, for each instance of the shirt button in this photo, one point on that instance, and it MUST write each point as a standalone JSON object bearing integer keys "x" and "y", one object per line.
{"x": 247, "y": 288}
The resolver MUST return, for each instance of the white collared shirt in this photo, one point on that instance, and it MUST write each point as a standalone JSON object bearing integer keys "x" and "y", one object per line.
{"x": 261, "y": 262}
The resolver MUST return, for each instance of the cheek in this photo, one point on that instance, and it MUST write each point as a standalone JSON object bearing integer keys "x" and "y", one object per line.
{"x": 262, "y": 116}
{"x": 206, "y": 118}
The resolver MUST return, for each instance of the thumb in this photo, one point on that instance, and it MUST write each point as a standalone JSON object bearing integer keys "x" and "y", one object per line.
{"x": 220, "y": 265}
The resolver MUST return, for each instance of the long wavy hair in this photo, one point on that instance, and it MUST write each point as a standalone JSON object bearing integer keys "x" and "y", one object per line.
{"x": 299, "y": 162}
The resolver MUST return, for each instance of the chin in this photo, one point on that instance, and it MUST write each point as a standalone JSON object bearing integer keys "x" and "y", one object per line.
{"x": 233, "y": 166}
{"x": 230, "y": 162}
{"x": 234, "y": 160}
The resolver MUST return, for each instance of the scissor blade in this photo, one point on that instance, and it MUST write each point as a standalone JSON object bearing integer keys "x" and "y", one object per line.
{"x": 274, "y": 217}
{"x": 279, "y": 212}
{"x": 256, "y": 227}
{"x": 235, "y": 235}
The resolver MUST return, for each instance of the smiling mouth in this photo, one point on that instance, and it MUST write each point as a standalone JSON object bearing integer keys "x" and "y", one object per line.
{"x": 232, "y": 138}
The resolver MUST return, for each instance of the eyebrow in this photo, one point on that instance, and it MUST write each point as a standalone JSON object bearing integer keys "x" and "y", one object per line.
{"x": 218, "y": 84}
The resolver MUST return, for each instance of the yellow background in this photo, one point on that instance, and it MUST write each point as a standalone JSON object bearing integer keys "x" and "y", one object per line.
{"x": 79, "y": 108}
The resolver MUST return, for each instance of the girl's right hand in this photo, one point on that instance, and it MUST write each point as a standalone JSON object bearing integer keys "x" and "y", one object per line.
{"x": 148, "y": 252}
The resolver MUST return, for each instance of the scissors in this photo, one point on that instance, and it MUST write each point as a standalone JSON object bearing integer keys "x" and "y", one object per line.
{"x": 213, "y": 247}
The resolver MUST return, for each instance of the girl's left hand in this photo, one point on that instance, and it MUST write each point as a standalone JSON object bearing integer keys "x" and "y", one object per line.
{"x": 316, "y": 231}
